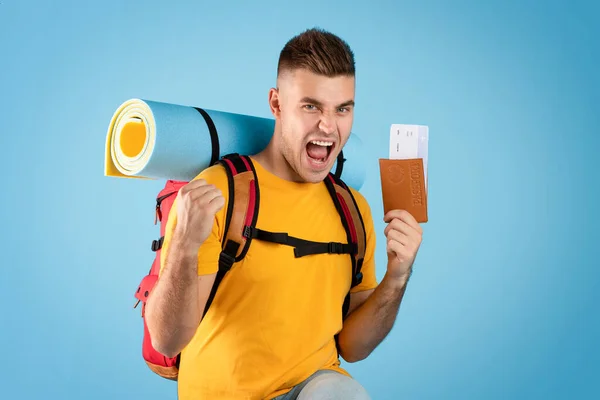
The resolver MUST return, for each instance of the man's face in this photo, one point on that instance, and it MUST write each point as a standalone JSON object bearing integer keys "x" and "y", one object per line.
{"x": 315, "y": 114}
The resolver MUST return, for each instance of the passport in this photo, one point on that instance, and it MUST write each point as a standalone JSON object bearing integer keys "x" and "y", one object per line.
{"x": 404, "y": 174}
{"x": 403, "y": 187}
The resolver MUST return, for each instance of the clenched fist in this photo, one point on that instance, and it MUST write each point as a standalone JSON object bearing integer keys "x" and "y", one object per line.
{"x": 404, "y": 235}
{"x": 197, "y": 204}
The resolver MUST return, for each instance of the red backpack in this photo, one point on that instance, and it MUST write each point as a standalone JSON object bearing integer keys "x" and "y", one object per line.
{"x": 240, "y": 230}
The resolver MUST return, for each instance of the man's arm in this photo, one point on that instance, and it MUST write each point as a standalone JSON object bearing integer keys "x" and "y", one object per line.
{"x": 370, "y": 322}
{"x": 176, "y": 304}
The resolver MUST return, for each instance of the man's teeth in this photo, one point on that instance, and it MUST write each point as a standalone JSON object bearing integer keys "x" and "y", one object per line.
{"x": 318, "y": 142}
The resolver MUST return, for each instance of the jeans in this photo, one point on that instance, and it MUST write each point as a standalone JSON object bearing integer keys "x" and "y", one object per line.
{"x": 327, "y": 385}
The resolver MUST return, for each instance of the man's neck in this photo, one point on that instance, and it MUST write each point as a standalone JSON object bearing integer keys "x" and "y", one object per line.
{"x": 273, "y": 161}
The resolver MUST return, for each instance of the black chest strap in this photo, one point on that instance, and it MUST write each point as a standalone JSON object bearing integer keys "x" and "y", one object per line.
{"x": 302, "y": 247}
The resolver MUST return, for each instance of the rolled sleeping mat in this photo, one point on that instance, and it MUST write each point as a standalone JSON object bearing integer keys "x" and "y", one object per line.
{"x": 155, "y": 140}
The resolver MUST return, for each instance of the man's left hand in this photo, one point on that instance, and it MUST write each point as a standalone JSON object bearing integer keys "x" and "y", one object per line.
{"x": 404, "y": 235}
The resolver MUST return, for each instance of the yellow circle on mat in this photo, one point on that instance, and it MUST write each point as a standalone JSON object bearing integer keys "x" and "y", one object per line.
{"x": 133, "y": 138}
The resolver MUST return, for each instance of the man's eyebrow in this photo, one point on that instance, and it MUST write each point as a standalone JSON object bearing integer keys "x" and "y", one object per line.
{"x": 311, "y": 101}
{"x": 318, "y": 103}
{"x": 347, "y": 103}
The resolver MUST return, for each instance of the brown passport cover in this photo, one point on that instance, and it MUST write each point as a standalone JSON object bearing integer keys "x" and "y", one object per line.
{"x": 403, "y": 187}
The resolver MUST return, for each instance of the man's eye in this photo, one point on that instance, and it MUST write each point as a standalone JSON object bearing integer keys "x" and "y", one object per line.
{"x": 309, "y": 107}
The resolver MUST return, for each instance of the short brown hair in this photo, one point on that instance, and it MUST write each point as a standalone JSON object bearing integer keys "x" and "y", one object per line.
{"x": 318, "y": 51}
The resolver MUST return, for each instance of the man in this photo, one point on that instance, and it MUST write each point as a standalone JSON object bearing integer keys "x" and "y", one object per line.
{"x": 269, "y": 333}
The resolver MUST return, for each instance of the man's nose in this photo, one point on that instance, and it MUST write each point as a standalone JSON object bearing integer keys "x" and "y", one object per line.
{"x": 327, "y": 124}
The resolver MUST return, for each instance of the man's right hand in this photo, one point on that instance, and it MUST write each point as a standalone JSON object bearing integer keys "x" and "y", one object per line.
{"x": 197, "y": 204}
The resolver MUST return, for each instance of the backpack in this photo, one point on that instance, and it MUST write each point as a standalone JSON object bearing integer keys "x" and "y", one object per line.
{"x": 240, "y": 230}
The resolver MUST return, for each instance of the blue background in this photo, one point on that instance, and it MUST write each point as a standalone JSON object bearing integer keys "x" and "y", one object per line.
{"x": 503, "y": 302}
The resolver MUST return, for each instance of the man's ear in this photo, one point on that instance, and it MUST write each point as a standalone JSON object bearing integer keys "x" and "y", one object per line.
{"x": 274, "y": 102}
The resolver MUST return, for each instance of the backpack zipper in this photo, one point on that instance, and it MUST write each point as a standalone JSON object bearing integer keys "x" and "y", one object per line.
{"x": 158, "y": 214}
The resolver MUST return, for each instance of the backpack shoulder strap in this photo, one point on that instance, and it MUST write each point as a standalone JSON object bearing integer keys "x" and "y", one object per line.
{"x": 353, "y": 223}
{"x": 242, "y": 212}
{"x": 242, "y": 209}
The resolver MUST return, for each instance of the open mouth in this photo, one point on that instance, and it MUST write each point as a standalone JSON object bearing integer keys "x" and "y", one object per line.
{"x": 318, "y": 151}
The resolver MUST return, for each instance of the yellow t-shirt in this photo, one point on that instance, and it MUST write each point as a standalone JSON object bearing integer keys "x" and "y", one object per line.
{"x": 273, "y": 320}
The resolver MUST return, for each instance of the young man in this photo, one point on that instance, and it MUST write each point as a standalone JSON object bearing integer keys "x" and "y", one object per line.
{"x": 270, "y": 331}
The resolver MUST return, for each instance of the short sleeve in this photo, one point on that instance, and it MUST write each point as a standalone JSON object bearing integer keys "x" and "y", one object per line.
{"x": 368, "y": 268}
{"x": 209, "y": 251}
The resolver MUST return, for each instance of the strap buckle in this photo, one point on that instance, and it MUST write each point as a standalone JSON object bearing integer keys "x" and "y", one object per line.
{"x": 358, "y": 278}
{"x": 248, "y": 232}
{"x": 226, "y": 261}
{"x": 157, "y": 244}
{"x": 335, "y": 248}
